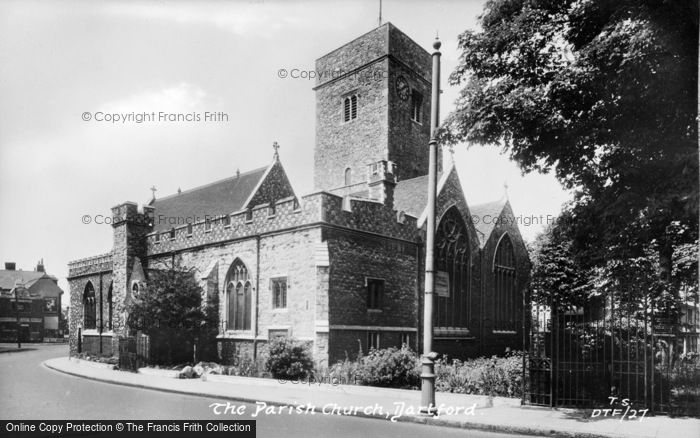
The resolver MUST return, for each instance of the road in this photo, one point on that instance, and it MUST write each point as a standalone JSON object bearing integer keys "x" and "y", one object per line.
{"x": 32, "y": 391}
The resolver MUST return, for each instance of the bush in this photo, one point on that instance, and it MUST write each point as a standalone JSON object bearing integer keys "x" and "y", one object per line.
{"x": 344, "y": 372}
{"x": 400, "y": 368}
{"x": 495, "y": 376}
{"x": 288, "y": 359}
{"x": 390, "y": 367}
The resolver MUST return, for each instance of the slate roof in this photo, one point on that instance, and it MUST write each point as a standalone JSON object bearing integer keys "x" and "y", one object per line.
{"x": 214, "y": 199}
{"x": 484, "y": 217}
{"x": 411, "y": 195}
{"x": 28, "y": 278}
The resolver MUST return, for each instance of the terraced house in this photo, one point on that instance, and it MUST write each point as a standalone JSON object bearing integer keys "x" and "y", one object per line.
{"x": 342, "y": 267}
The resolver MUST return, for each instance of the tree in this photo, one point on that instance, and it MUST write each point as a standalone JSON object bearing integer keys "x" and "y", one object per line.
{"x": 207, "y": 345}
{"x": 556, "y": 274}
{"x": 604, "y": 94}
{"x": 169, "y": 310}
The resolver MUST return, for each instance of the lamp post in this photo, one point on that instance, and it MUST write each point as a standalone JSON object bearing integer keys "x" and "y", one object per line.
{"x": 17, "y": 288}
{"x": 428, "y": 358}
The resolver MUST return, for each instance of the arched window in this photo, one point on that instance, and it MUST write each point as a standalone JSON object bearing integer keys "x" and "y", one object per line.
{"x": 348, "y": 176}
{"x": 238, "y": 297}
{"x": 416, "y": 106}
{"x": 109, "y": 307}
{"x": 506, "y": 309}
{"x": 452, "y": 258}
{"x": 350, "y": 108}
{"x": 135, "y": 290}
{"x": 89, "y": 307}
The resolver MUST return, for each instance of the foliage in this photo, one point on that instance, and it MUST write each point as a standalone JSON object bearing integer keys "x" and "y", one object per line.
{"x": 604, "y": 95}
{"x": 345, "y": 371}
{"x": 494, "y": 376}
{"x": 246, "y": 367}
{"x": 556, "y": 273}
{"x": 390, "y": 367}
{"x": 207, "y": 345}
{"x": 169, "y": 310}
{"x": 400, "y": 368}
{"x": 288, "y": 359}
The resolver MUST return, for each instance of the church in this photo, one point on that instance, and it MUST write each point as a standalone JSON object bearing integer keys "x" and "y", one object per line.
{"x": 341, "y": 268}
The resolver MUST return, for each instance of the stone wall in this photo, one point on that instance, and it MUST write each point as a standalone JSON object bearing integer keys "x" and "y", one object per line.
{"x": 355, "y": 143}
{"x": 98, "y": 271}
{"x": 367, "y": 67}
{"x": 130, "y": 225}
{"x": 311, "y": 210}
{"x": 273, "y": 188}
{"x": 290, "y": 255}
{"x": 355, "y": 257}
{"x": 408, "y": 139}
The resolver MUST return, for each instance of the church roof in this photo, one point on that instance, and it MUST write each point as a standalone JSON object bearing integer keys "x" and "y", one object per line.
{"x": 214, "y": 199}
{"x": 484, "y": 217}
{"x": 411, "y": 195}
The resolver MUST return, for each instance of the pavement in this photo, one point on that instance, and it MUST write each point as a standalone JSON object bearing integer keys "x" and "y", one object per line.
{"x": 498, "y": 414}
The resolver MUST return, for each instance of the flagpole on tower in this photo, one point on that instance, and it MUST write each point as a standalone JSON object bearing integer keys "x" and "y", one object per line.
{"x": 380, "y": 12}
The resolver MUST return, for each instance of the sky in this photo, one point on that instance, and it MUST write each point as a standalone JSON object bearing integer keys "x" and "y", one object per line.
{"x": 62, "y": 60}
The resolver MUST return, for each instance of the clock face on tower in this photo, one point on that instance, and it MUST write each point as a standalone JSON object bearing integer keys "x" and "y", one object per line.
{"x": 402, "y": 88}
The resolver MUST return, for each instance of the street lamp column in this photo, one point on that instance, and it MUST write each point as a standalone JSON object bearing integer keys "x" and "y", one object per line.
{"x": 18, "y": 287}
{"x": 428, "y": 358}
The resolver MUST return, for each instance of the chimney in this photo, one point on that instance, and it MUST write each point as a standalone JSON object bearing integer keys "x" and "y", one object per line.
{"x": 381, "y": 181}
{"x": 10, "y": 266}
{"x": 40, "y": 266}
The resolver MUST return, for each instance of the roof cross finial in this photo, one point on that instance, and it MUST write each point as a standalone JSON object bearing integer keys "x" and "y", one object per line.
{"x": 505, "y": 189}
{"x": 276, "y": 147}
{"x": 154, "y": 189}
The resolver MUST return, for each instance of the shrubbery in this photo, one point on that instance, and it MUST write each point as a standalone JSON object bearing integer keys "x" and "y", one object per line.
{"x": 400, "y": 368}
{"x": 389, "y": 367}
{"x": 288, "y": 359}
{"x": 495, "y": 376}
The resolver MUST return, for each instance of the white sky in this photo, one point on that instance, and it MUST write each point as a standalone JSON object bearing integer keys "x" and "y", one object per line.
{"x": 60, "y": 59}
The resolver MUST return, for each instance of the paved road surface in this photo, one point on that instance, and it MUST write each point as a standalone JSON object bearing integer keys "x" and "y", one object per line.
{"x": 31, "y": 391}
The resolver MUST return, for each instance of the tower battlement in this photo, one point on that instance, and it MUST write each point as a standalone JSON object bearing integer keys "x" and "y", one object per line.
{"x": 133, "y": 213}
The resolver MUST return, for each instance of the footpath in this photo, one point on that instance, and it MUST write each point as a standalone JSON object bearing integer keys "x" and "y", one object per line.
{"x": 497, "y": 414}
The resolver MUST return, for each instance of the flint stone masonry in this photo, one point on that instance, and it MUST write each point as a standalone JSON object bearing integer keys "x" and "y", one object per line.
{"x": 98, "y": 271}
{"x": 367, "y": 68}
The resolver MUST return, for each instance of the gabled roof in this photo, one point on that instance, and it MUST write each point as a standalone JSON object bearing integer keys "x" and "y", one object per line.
{"x": 214, "y": 199}
{"x": 484, "y": 217}
{"x": 411, "y": 195}
{"x": 8, "y": 278}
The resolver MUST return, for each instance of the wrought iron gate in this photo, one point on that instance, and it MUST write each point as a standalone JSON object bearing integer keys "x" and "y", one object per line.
{"x": 134, "y": 352}
{"x": 580, "y": 356}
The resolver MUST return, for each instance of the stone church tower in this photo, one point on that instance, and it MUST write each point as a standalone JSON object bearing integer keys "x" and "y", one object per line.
{"x": 372, "y": 105}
